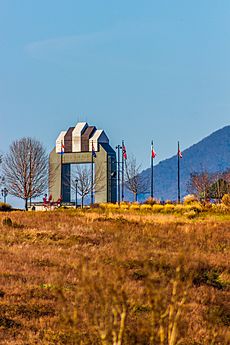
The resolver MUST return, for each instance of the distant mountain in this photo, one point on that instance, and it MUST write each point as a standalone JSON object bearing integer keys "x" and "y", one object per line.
{"x": 211, "y": 154}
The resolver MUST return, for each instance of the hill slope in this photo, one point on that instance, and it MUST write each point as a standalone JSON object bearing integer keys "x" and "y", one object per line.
{"x": 211, "y": 154}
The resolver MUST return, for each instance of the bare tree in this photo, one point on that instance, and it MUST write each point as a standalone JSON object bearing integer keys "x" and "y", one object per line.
{"x": 208, "y": 185}
{"x": 25, "y": 169}
{"x": 200, "y": 184}
{"x": 83, "y": 177}
{"x": 1, "y": 176}
{"x": 134, "y": 181}
{"x": 4, "y": 191}
{"x": 226, "y": 176}
{"x": 85, "y": 184}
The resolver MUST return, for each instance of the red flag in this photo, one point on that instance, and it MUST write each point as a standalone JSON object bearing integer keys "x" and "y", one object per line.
{"x": 124, "y": 152}
{"x": 153, "y": 152}
{"x": 179, "y": 153}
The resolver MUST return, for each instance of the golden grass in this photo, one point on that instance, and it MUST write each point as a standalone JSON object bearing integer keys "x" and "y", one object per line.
{"x": 114, "y": 277}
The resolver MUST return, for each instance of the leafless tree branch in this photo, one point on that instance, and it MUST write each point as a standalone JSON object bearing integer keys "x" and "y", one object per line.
{"x": 84, "y": 181}
{"x": 200, "y": 184}
{"x": 134, "y": 181}
{"x": 25, "y": 169}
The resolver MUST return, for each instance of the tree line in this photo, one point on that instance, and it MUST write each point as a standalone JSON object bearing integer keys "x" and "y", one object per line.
{"x": 209, "y": 186}
{"x": 25, "y": 172}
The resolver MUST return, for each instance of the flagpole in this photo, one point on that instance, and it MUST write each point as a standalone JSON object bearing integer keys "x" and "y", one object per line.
{"x": 122, "y": 173}
{"x": 61, "y": 171}
{"x": 118, "y": 147}
{"x": 30, "y": 176}
{"x": 178, "y": 173}
{"x": 152, "y": 170}
{"x": 91, "y": 194}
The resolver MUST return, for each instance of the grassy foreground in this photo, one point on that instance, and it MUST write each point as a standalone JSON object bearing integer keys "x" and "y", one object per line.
{"x": 108, "y": 277}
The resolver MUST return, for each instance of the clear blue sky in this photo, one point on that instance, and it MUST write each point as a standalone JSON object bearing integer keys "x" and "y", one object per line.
{"x": 141, "y": 70}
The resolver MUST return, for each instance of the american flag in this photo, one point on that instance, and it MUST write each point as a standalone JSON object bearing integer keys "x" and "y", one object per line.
{"x": 62, "y": 149}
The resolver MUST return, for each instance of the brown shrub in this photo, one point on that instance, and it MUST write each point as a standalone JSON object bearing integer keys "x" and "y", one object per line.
{"x": 100, "y": 277}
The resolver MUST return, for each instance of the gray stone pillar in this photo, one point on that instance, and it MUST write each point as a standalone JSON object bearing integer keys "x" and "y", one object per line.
{"x": 104, "y": 168}
{"x": 66, "y": 183}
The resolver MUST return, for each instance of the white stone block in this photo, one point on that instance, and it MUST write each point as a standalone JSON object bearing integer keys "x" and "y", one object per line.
{"x": 76, "y": 136}
{"x": 60, "y": 141}
{"x": 99, "y": 137}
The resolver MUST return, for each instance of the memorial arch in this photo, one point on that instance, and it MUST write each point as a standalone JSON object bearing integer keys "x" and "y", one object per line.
{"x": 75, "y": 146}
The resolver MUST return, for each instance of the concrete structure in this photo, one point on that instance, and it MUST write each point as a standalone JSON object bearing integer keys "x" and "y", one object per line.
{"x": 77, "y": 143}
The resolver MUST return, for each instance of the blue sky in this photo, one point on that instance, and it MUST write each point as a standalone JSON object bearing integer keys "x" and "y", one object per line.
{"x": 141, "y": 70}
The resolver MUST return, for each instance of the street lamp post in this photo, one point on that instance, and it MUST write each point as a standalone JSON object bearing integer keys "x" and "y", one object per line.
{"x": 76, "y": 182}
{"x": 4, "y": 193}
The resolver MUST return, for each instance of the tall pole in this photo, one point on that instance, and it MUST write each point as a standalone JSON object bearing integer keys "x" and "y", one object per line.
{"x": 61, "y": 170}
{"x": 152, "y": 169}
{"x": 178, "y": 173}
{"x": 61, "y": 178}
{"x": 118, "y": 147}
{"x": 4, "y": 193}
{"x": 92, "y": 177}
{"x": 30, "y": 176}
{"x": 76, "y": 181}
{"x": 122, "y": 172}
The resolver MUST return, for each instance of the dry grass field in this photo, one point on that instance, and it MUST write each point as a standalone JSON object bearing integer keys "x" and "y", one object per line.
{"x": 114, "y": 277}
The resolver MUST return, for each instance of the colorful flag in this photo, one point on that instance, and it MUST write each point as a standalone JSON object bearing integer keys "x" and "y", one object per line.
{"x": 124, "y": 151}
{"x": 62, "y": 149}
{"x": 153, "y": 151}
{"x": 93, "y": 151}
{"x": 179, "y": 153}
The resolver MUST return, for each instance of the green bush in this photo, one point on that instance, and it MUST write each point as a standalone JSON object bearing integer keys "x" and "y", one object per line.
{"x": 219, "y": 208}
{"x": 5, "y": 207}
{"x": 124, "y": 206}
{"x": 157, "y": 208}
{"x": 226, "y": 200}
{"x": 168, "y": 208}
{"x": 195, "y": 206}
{"x": 179, "y": 208}
{"x": 146, "y": 207}
{"x": 109, "y": 206}
{"x": 135, "y": 206}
